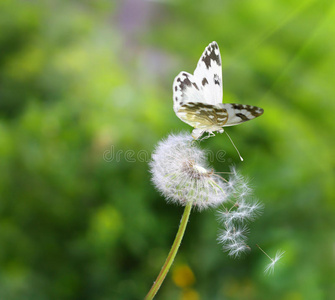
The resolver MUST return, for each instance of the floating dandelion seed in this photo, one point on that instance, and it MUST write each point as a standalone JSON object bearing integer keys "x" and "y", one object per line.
{"x": 270, "y": 267}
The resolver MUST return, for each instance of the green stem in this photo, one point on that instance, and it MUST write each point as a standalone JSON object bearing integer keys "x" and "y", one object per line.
{"x": 172, "y": 254}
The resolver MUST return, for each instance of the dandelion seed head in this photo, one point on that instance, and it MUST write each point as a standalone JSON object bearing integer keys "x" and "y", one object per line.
{"x": 180, "y": 172}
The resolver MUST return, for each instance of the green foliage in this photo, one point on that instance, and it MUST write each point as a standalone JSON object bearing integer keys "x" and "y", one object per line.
{"x": 85, "y": 94}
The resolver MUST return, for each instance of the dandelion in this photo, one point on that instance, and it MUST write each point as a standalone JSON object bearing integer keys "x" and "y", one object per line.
{"x": 180, "y": 172}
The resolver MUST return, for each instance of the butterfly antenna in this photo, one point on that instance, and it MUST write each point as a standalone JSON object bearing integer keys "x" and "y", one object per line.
{"x": 238, "y": 152}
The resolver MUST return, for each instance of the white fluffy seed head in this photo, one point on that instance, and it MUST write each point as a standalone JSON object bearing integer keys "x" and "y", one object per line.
{"x": 179, "y": 171}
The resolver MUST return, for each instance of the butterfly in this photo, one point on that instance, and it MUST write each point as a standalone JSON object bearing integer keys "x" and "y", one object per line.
{"x": 197, "y": 98}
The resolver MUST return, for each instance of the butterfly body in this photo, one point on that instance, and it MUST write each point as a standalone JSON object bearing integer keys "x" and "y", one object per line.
{"x": 198, "y": 97}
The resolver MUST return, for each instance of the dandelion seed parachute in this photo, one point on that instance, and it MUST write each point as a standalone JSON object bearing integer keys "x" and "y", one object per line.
{"x": 270, "y": 267}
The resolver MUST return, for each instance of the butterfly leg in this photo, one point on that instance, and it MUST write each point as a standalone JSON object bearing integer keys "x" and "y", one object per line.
{"x": 210, "y": 134}
{"x": 197, "y": 133}
{"x": 204, "y": 138}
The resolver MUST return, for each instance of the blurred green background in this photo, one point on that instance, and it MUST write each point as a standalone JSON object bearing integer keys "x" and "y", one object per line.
{"x": 86, "y": 94}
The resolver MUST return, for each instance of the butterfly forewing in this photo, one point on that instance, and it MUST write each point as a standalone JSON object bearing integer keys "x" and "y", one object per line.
{"x": 209, "y": 74}
{"x": 205, "y": 85}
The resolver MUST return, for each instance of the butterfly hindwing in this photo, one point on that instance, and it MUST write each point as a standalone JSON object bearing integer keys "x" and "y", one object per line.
{"x": 239, "y": 113}
{"x": 204, "y": 116}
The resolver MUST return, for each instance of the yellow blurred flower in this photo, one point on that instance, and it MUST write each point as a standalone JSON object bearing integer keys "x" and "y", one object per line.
{"x": 183, "y": 276}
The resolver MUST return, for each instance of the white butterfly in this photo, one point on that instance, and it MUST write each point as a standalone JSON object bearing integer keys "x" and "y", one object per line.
{"x": 197, "y": 99}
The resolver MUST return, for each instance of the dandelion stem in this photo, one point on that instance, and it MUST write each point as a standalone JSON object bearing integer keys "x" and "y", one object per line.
{"x": 264, "y": 252}
{"x": 172, "y": 254}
